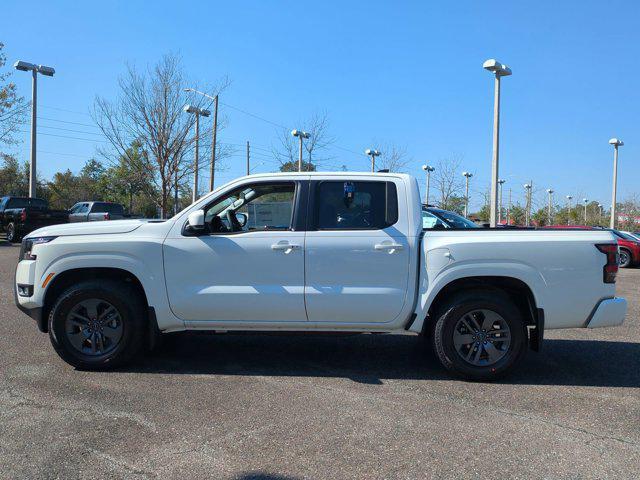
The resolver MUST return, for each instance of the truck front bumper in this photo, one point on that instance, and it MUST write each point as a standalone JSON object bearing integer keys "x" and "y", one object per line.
{"x": 609, "y": 312}
{"x": 24, "y": 277}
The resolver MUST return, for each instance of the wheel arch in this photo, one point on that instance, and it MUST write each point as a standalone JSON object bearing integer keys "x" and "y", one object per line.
{"x": 73, "y": 276}
{"x": 518, "y": 291}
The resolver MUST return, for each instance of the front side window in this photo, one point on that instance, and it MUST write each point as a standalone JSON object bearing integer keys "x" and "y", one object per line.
{"x": 356, "y": 205}
{"x": 257, "y": 207}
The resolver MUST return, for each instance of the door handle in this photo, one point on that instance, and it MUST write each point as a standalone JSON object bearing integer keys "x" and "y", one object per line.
{"x": 391, "y": 247}
{"x": 285, "y": 246}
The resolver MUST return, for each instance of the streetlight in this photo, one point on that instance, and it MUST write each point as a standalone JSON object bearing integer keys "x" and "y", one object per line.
{"x": 500, "y": 184}
{"x": 373, "y": 154}
{"x": 499, "y": 70}
{"x": 212, "y": 167}
{"x": 197, "y": 112}
{"x": 467, "y": 176}
{"x": 527, "y": 187}
{"x": 550, "y": 192}
{"x": 301, "y": 135}
{"x": 34, "y": 69}
{"x": 585, "y": 201}
{"x": 428, "y": 169}
{"x": 569, "y": 197}
{"x": 616, "y": 142}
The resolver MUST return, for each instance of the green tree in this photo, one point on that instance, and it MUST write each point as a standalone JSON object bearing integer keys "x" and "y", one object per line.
{"x": 12, "y": 177}
{"x": 292, "y": 166}
{"x": 516, "y": 215}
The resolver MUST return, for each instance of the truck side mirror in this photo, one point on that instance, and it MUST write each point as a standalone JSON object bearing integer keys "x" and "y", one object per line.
{"x": 195, "y": 221}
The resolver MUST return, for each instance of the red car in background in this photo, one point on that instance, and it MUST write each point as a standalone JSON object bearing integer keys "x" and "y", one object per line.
{"x": 628, "y": 245}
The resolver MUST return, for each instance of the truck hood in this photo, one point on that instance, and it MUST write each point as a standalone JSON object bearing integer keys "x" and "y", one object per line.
{"x": 90, "y": 228}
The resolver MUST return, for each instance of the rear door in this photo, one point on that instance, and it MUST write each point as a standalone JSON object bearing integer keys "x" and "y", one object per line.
{"x": 357, "y": 251}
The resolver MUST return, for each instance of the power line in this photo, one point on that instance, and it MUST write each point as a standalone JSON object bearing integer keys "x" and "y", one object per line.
{"x": 65, "y": 110}
{"x": 71, "y": 123}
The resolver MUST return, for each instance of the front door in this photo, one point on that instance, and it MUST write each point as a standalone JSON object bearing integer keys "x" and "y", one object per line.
{"x": 248, "y": 267}
{"x": 357, "y": 257}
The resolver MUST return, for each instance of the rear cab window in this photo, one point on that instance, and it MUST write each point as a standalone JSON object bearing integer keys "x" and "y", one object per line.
{"x": 355, "y": 205}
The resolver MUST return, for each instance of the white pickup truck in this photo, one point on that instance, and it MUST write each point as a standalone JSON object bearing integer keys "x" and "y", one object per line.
{"x": 339, "y": 252}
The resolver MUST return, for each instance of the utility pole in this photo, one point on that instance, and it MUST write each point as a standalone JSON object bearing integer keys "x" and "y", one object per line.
{"x": 616, "y": 143}
{"x": 528, "y": 187}
{"x": 197, "y": 111}
{"x": 428, "y": 169}
{"x": 499, "y": 70}
{"x": 301, "y": 135}
{"x": 550, "y": 192}
{"x": 509, "y": 209}
{"x": 467, "y": 176}
{"x": 585, "y": 201}
{"x": 49, "y": 72}
{"x": 500, "y": 187}
{"x": 248, "y": 158}
{"x": 569, "y": 197}
{"x": 212, "y": 167}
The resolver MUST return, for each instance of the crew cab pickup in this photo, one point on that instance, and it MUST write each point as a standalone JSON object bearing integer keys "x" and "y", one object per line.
{"x": 315, "y": 252}
{"x": 21, "y": 215}
{"x": 96, "y": 212}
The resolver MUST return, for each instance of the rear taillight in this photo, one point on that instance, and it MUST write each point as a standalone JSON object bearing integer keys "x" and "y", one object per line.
{"x": 23, "y": 215}
{"x": 610, "y": 269}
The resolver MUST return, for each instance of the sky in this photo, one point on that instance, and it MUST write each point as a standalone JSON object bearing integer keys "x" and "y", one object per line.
{"x": 407, "y": 72}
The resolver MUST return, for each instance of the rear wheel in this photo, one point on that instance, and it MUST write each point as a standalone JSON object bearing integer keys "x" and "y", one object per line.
{"x": 480, "y": 335}
{"x": 97, "y": 325}
{"x": 625, "y": 258}
{"x": 12, "y": 233}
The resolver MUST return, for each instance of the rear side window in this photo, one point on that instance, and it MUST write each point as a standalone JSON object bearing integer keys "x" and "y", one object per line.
{"x": 356, "y": 205}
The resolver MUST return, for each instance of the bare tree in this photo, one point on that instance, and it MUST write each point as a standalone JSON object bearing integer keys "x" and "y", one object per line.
{"x": 12, "y": 107}
{"x": 447, "y": 180}
{"x": 149, "y": 110}
{"x": 287, "y": 150}
{"x": 393, "y": 157}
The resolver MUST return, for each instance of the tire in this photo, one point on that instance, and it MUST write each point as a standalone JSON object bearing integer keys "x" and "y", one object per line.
{"x": 12, "y": 234}
{"x": 625, "y": 258}
{"x": 468, "y": 352}
{"x": 117, "y": 339}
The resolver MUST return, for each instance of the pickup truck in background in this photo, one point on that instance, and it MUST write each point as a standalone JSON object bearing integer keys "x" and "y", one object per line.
{"x": 21, "y": 215}
{"x": 96, "y": 212}
{"x": 338, "y": 252}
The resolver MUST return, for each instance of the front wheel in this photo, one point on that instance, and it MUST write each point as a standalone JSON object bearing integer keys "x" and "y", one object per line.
{"x": 12, "y": 233}
{"x": 480, "y": 335}
{"x": 97, "y": 325}
{"x": 625, "y": 258}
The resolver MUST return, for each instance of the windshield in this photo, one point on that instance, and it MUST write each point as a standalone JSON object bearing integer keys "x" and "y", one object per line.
{"x": 453, "y": 220}
{"x": 624, "y": 235}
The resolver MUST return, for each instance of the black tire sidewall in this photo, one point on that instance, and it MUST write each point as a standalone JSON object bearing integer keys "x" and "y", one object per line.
{"x": 131, "y": 313}
{"x": 444, "y": 329}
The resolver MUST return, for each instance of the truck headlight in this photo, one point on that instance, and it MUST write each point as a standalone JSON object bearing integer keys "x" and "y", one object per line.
{"x": 27, "y": 246}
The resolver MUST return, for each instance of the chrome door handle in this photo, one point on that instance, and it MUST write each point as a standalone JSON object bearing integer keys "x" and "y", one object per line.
{"x": 285, "y": 246}
{"x": 391, "y": 247}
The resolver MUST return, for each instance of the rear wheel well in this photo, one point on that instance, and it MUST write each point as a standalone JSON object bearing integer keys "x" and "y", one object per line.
{"x": 71, "y": 277}
{"x": 518, "y": 291}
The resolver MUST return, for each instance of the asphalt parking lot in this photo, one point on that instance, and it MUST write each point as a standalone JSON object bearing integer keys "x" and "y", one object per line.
{"x": 321, "y": 407}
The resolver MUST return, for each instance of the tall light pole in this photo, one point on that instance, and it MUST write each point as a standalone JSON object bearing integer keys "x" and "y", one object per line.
{"x": 599, "y": 213}
{"x": 197, "y": 112}
{"x": 500, "y": 185}
{"x": 373, "y": 153}
{"x": 212, "y": 166}
{"x": 527, "y": 187}
{"x": 585, "y": 201}
{"x": 428, "y": 169}
{"x": 35, "y": 70}
{"x": 499, "y": 70}
{"x": 301, "y": 136}
{"x": 467, "y": 176}
{"x": 550, "y": 192}
{"x": 616, "y": 142}
{"x": 569, "y": 197}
